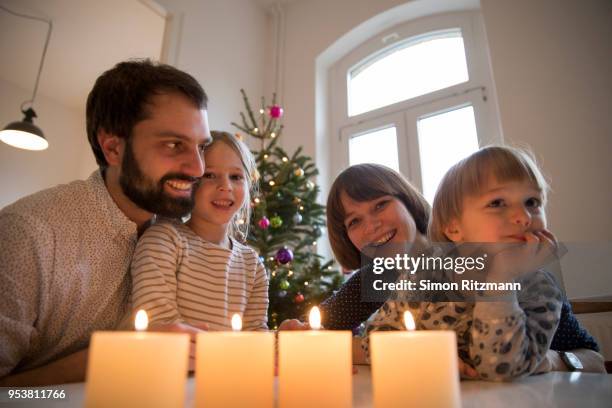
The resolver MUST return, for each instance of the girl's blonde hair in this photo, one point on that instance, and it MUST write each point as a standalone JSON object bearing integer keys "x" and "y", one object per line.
{"x": 470, "y": 176}
{"x": 365, "y": 182}
{"x": 239, "y": 229}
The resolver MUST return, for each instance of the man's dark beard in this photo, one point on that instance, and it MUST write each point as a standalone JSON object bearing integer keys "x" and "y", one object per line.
{"x": 149, "y": 195}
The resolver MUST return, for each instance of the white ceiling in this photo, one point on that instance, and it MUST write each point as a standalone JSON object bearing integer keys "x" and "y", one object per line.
{"x": 88, "y": 37}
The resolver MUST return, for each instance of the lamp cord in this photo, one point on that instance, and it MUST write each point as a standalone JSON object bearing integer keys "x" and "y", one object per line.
{"x": 42, "y": 60}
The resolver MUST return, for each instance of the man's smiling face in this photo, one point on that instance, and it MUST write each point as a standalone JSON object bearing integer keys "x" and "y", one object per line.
{"x": 163, "y": 160}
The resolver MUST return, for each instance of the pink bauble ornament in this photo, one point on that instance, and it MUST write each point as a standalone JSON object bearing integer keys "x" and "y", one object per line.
{"x": 299, "y": 298}
{"x": 264, "y": 223}
{"x": 276, "y": 111}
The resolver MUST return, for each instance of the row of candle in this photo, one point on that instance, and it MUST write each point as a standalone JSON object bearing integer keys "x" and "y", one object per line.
{"x": 237, "y": 368}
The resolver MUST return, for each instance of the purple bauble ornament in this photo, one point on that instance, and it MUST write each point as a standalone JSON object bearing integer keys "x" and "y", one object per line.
{"x": 264, "y": 223}
{"x": 284, "y": 255}
{"x": 276, "y": 111}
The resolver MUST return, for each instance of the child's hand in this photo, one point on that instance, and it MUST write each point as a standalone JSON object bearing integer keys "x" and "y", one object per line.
{"x": 514, "y": 261}
{"x": 549, "y": 363}
{"x": 466, "y": 370}
{"x": 541, "y": 247}
{"x": 293, "y": 324}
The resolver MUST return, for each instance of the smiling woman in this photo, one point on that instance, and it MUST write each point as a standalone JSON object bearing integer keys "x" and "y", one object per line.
{"x": 381, "y": 207}
{"x": 377, "y": 222}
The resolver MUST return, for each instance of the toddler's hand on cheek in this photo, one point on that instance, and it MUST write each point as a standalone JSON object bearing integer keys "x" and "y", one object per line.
{"x": 547, "y": 236}
{"x": 516, "y": 260}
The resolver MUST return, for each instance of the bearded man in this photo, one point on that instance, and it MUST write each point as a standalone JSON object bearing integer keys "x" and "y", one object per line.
{"x": 65, "y": 251}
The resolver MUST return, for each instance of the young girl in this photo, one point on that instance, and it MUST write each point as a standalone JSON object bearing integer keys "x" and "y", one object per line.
{"x": 495, "y": 196}
{"x": 200, "y": 272}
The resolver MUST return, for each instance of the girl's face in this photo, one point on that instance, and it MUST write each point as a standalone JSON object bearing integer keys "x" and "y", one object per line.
{"x": 223, "y": 187}
{"x": 503, "y": 212}
{"x": 377, "y": 222}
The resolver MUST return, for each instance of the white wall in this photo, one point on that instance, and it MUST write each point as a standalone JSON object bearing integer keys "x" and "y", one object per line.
{"x": 552, "y": 65}
{"x": 223, "y": 44}
{"x": 68, "y": 157}
{"x": 551, "y": 61}
{"x": 87, "y": 39}
{"x": 310, "y": 28}
{"x": 316, "y": 34}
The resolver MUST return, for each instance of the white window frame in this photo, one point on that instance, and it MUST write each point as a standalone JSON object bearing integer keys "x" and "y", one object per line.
{"x": 477, "y": 91}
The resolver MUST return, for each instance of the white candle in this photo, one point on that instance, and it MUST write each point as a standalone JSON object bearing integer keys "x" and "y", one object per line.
{"x": 129, "y": 369}
{"x": 414, "y": 368}
{"x": 235, "y": 369}
{"x": 315, "y": 367}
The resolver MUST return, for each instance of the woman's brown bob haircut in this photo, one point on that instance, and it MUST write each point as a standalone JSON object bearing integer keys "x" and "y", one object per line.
{"x": 365, "y": 182}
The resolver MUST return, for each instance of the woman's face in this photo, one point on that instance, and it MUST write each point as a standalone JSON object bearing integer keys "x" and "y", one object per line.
{"x": 375, "y": 223}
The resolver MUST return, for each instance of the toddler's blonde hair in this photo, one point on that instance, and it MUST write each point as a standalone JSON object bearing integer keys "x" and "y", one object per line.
{"x": 470, "y": 176}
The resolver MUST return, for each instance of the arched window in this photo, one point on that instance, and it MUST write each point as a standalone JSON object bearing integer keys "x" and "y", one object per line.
{"x": 415, "y": 98}
{"x": 410, "y": 68}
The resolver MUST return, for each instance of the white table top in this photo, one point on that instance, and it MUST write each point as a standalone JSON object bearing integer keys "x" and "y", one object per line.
{"x": 555, "y": 389}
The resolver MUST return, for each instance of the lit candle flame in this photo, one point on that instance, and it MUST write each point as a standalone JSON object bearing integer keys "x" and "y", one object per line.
{"x": 409, "y": 321}
{"x": 236, "y": 322}
{"x": 315, "y": 318}
{"x": 141, "y": 322}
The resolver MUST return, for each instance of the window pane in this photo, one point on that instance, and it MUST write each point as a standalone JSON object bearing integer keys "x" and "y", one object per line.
{"x": 414, "y": 67}
{"x": 444, "y": 139}
{"x": 379, "y": 146}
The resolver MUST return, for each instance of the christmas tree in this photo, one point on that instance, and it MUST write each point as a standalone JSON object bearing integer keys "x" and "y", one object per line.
{"x": 286, "y": 220}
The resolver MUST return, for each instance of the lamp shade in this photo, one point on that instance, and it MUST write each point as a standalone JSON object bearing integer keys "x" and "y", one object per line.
{"x": 24, "y": 134}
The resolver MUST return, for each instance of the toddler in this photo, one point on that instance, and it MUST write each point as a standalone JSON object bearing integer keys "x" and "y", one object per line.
{"x": 493, "y": 199}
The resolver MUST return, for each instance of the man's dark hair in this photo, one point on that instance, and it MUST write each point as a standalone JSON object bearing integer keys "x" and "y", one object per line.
{"x": 119, "y": 98}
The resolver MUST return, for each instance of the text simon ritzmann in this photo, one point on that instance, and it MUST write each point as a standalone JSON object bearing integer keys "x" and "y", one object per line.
{"x": 426, "y": 284}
